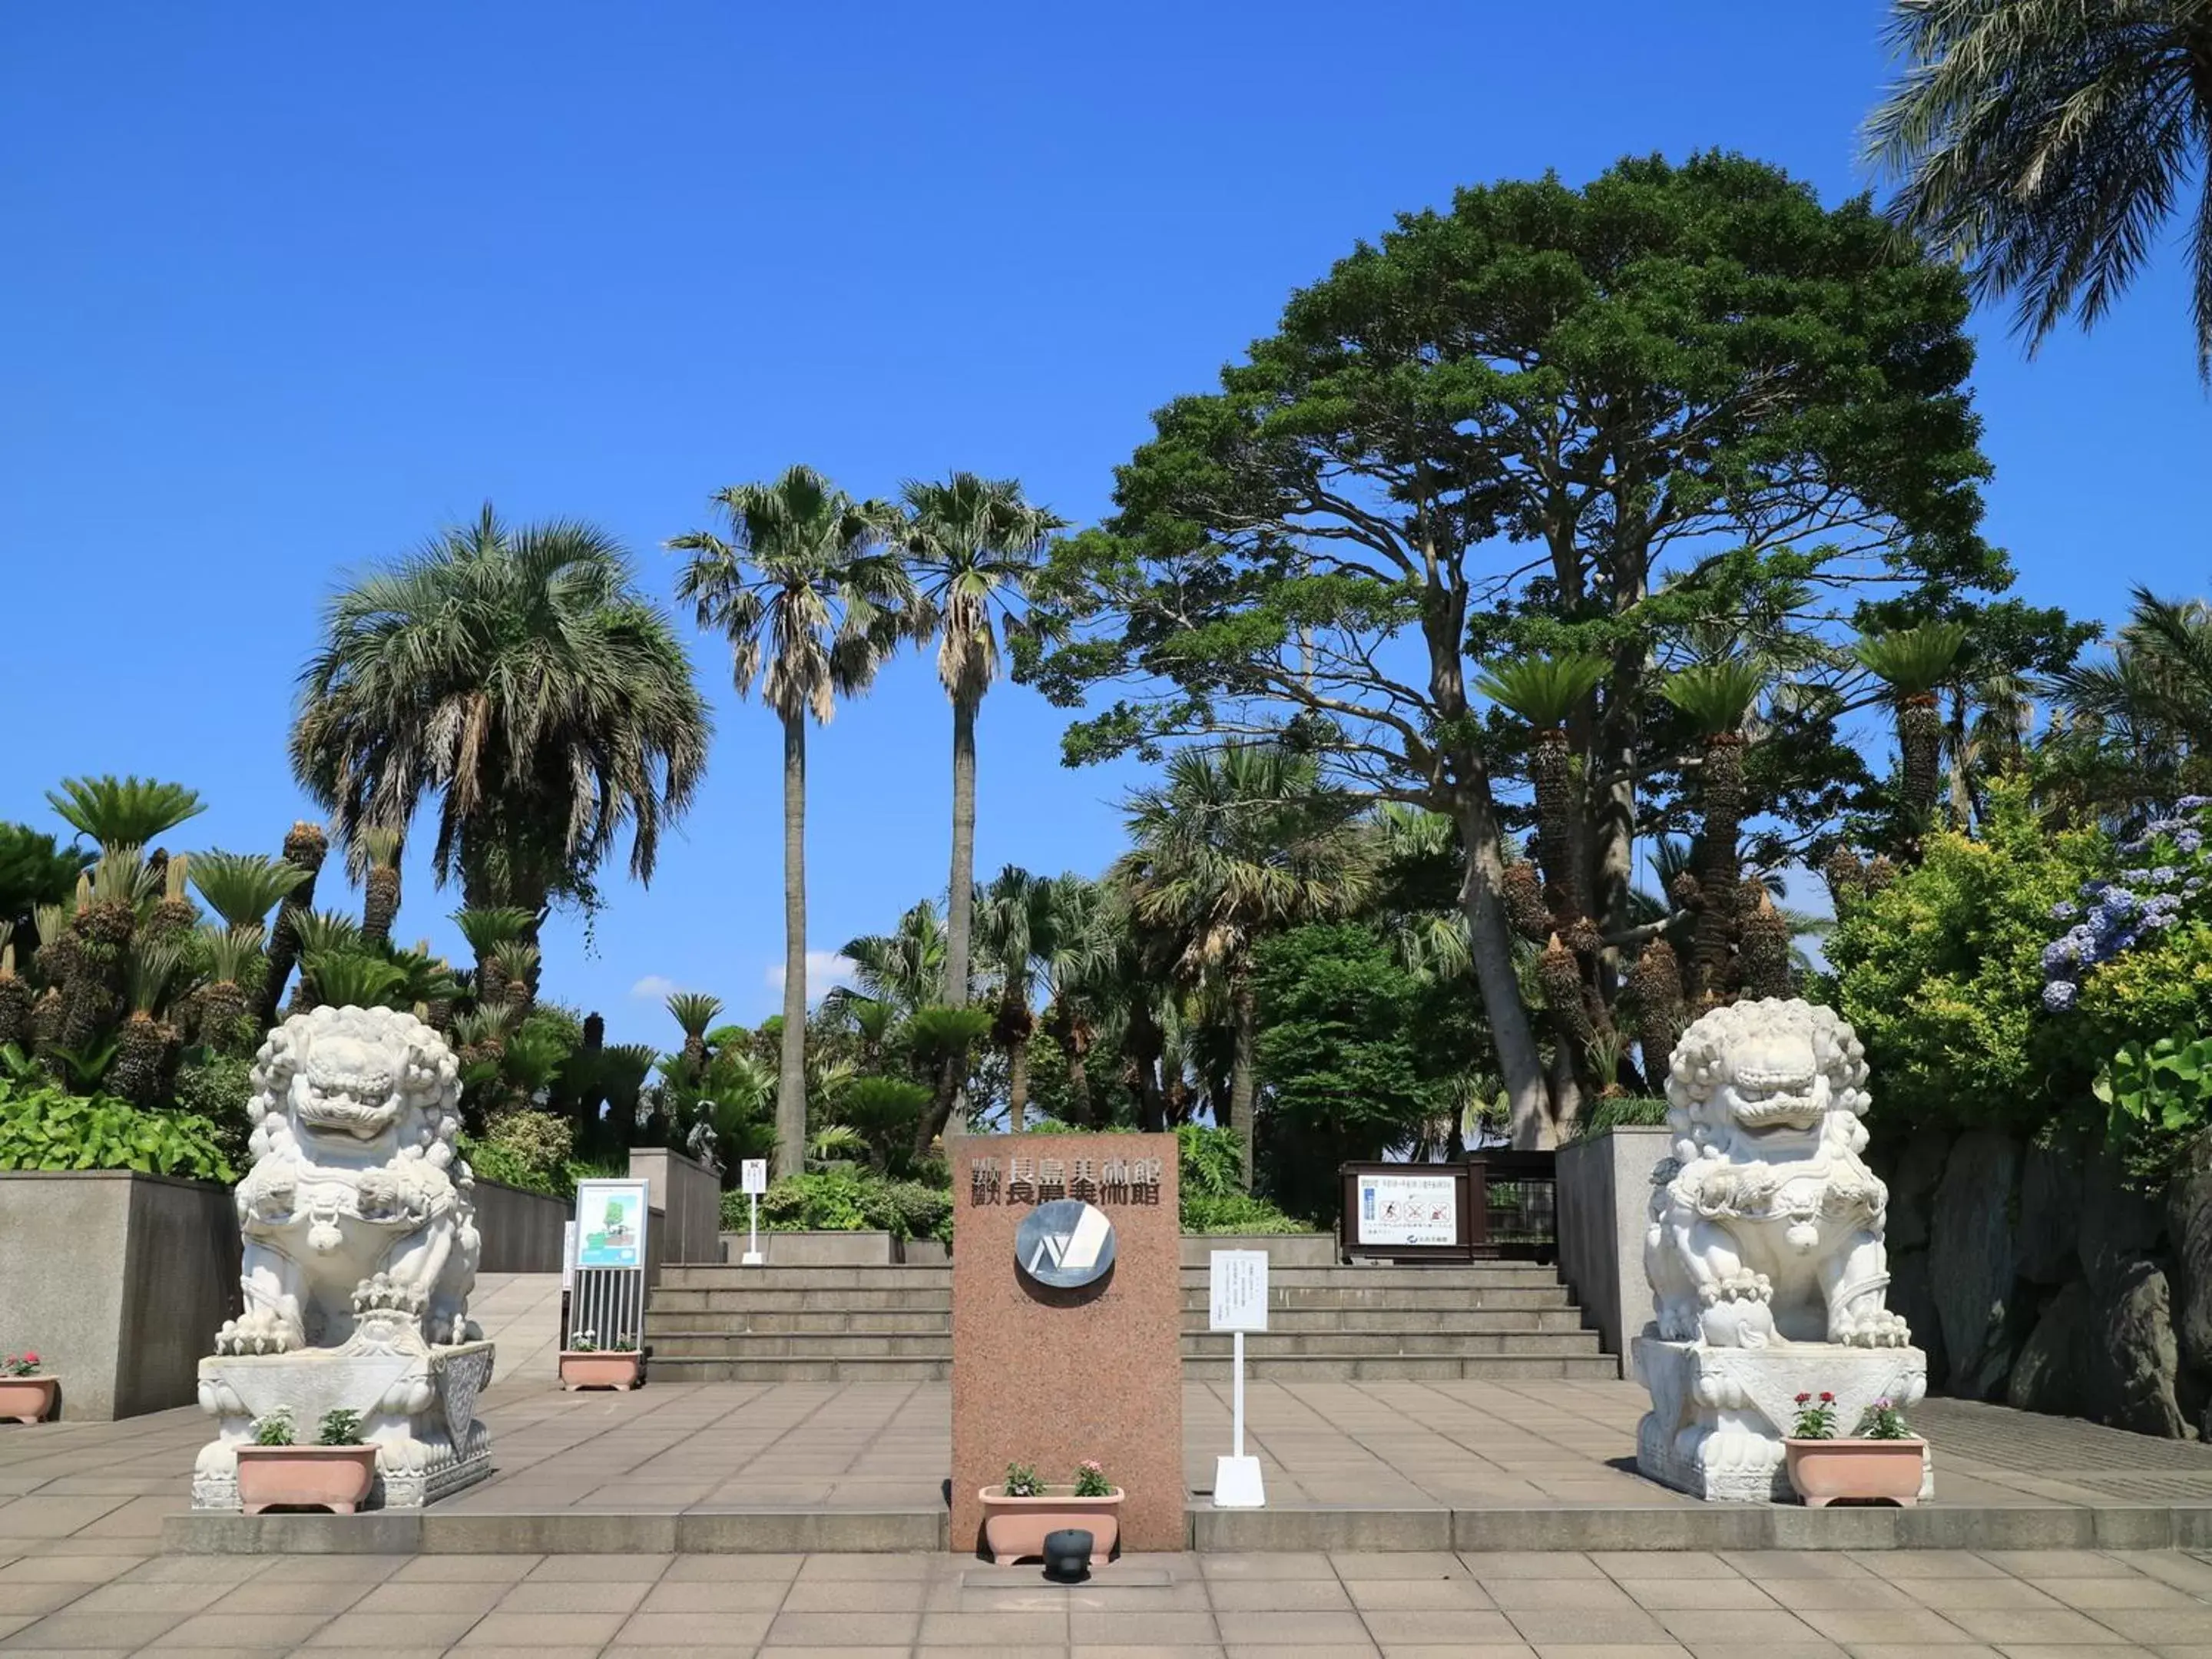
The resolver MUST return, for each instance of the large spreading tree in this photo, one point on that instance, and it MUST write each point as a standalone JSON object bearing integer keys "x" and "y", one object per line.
{"x": 1636, "y": 420}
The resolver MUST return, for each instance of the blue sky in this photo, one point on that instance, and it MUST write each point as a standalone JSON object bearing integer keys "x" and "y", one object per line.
{"x": 288, "y": 287}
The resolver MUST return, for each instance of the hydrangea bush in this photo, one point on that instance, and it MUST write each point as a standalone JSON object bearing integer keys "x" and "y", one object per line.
{"x": 2147, "y": 900}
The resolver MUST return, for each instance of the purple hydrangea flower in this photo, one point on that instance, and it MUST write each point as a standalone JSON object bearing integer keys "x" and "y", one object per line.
{"x": 2058, "y": 996}
{"x": 2190, "y": 842}
{"x": 2164, "y": 876}
{"x": 2190, "y": 803}
{"x": 2065, "y": 910}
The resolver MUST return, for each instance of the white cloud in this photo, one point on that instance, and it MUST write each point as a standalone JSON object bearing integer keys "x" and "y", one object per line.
{"x": 823, "y": 970}
{"x": 654, "y": 987}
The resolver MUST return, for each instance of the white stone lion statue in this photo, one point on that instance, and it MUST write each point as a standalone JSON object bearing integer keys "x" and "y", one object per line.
{"x": 1767, "y": 1225}
{"x": 357, "y": 1200}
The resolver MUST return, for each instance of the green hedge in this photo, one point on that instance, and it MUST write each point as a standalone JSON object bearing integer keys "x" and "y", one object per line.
{"x": 46, "y": 1127}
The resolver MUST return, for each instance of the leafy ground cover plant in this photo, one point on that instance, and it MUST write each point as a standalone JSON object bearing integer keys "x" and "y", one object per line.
{"x": 1022, "y": 1481}
{"x": 273, "y": 1430}
{"x": 45, "y": 1127}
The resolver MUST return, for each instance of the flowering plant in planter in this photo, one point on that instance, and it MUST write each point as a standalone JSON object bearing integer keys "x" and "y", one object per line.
{"x": 338, "y": 1473}
{"x": 25, "y": 1393}
{"x": 1883, "y": 1463}
{"x": 1018, "y": 1515}
{"x": 586, "y": 1363}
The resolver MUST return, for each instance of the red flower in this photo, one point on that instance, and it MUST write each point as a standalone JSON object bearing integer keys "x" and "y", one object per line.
{"x": 1802, "y": 1398}
{"x": 1828, "y": 1399}
{"x": 30, "y": 1358}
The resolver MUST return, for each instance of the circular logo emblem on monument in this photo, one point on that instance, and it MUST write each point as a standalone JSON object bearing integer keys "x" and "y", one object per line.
{"x": 1066, "y": 1244}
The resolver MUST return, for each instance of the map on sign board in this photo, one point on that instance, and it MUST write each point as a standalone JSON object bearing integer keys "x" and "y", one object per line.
{"x": 1408, "y": 1209}
{"x": 610, "y": 1223}
{"x": 1236, "y": 1284}
{"x": 753, "y": 1176}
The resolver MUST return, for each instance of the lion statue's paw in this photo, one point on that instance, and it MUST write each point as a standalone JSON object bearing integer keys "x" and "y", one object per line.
{"x": 1879, "y": 1329}
{"x": 259, "y": 1330}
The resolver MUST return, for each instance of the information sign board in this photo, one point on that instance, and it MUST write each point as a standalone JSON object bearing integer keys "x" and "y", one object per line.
{"x": 611, "y": 1222}
{"x": 753, "y": 1176}
{"x": 1236, "y": 1283}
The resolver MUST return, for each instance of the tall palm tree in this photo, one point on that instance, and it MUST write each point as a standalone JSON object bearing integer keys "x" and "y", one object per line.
{"x": 517, "y": 675}
{"x": 2044, "y": 143}
{"x": 903, "y": 968}
{"x": 1027, "y": 929}
{"x": 1241, "y": 842}
{"x": 971, "y": 544}
{"x": 811, "y": 605}
{"x": 2150, "y": 703}
{"x": 1716, "y": 697}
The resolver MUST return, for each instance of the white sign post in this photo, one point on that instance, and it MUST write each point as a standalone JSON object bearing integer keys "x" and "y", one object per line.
{"x": 1237, "y": 1298}
{"x": 753, "y": 1182}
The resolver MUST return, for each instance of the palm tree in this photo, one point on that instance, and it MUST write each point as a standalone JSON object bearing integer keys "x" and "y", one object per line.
{"x": 517, "y": 675}
{"x": 809, "y": 604}
{"x": 379, "y": 883}
{"x": 903, "y": 968}
{"x": 305, "y": 847}
{"x": 1912, "y": 663}
{"x": 695, "y": 1012}
{"x": 2046, "y": 142}
{"x": 124, "y": 811}
{"x": 1716, "y": 697}
{"x": 1018, "y": 921}
{"x": 1240, "y": 842}
{"x": 1546, "y": 691}
{"x": 971, "y": 544}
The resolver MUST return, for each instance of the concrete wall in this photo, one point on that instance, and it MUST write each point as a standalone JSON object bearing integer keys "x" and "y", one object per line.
{"x": 521, "y": 1231}
{"x": 119, "y": 1281}
{"x": 1604, "y": 1193}
{"x": 1284, "y": 1249}
{"x": 689, "y": 1196}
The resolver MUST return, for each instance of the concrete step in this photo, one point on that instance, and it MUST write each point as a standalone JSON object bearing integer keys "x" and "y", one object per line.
{"x": 1484, "y": 1275}
{"x": 1210, "y": 1344}
{"x": 1360, "y": 1366}
{"x": 1375, "y": 1368}
{"x": 768, "y": 1298}
{"x": 1444, "y": 1299}
{"x": 704, "y": 1276}
{"x": 842, "y": 1345}
{"x": 830, "y": 1321}
{"x": 809, "y": 1321}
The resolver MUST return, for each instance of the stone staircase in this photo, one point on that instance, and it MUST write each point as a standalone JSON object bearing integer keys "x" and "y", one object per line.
{"x": 1497, "y": 1321}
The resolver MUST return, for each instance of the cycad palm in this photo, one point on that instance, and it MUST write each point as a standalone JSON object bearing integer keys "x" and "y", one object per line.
{"x": 518, "y": 676}
{"x": 1716, "y": 697}
{"x": 124, "y": 811}
{"x": 971, "y": 544}
{"x": 809, "y": 603}
{"x": 2046, "y": 142}
{"x": 1912, "y": 662}
{"x": 1544, "y": 691}
{"x": 1240, "y": 842}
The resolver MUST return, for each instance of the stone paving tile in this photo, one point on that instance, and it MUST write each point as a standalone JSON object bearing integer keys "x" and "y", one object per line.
{"x": 1410, "y": 1625}
{"x": 693, "y": 1629}
{"x": 855, "y": 1595}
{"x": 585, "y": 1595}
{"x": 744, "y": 1596}
{"x": 1853, "y": 1625}
{"x": 844, "y": 1629}
{"x": 1532, "y": 1564}
{"x": 1690, "y": 1625}
{"x": 1278, "y": 1595}
{"x": 1141, "y": 1629}
{"x": 219, "y": 1629}
{"x": 1654, "y": 1594}
{"x": 1543, "y": 1595}
{"x": 1419, "y": 1595}
{"x": 2162, "y": 1628}
{"x": 93, "y": 1629}
{"x": 393, "y": 1630}
{"x": 1581, "y": 1627}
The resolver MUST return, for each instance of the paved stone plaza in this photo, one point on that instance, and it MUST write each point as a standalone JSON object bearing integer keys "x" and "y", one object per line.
{"x": 1881, "y": 1605}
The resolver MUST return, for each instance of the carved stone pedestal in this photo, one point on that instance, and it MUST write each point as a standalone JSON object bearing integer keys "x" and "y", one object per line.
{"x": 1719, "y": 1415}
{"x": 417, "y": 1406}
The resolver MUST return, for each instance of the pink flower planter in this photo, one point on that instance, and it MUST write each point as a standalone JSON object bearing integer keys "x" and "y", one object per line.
{"x": 601, "y": 1368}
{"x": 28, "y": 1399}
{"x": 338, "y": 1479}
{"x": 1826, "y": 1472}
{"x": 1015, "y": 1527}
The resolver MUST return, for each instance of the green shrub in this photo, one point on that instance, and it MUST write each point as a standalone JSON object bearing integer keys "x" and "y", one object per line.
{"x": 847, "y": 1200}
{"x": 1236, "y": 1212}
{"x": 46, "y": 1128}
{"x": 1628, "y": 1111}
{"x": 1940, "y": 974}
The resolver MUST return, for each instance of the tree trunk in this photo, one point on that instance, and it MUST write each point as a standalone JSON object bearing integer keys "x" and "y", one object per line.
{"x": 1722, "y": 786}
{"x": 1017, "y": 1087}
{"x": 1243, "y": 1079}
{"x": 790, "y": 1076}
{"x": 960, "y": 895}
{"x": 1490, "y": 944}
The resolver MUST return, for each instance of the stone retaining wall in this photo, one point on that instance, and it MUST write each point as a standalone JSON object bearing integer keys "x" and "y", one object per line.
{"x": 119, "y": 1280}
{"x": 2051, "y": 1281}
{"x": 521, "y": 1231}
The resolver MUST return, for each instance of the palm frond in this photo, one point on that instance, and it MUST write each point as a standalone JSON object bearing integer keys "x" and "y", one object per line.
{"x": 120, "y": 812}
